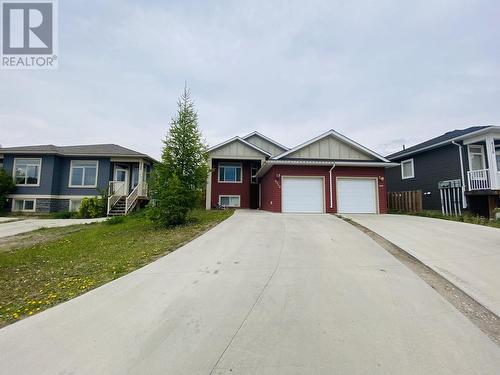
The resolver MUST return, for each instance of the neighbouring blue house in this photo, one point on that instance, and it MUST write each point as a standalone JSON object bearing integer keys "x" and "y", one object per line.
{"x": 52, "y": 178}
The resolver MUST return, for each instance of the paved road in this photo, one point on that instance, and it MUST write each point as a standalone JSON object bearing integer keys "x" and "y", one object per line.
{"x": 466, "y": 254}
{"x": 259, "y": 294}
{"x": 22, "y": 226}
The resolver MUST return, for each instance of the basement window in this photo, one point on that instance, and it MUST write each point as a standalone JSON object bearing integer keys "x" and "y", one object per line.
{"x": 23, "y": 205}
{"x": 229, "y": 200}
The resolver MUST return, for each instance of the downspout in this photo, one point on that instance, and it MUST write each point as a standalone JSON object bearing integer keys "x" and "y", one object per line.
{"x": 464, "y": 202}
{"x": 331, "y": 187}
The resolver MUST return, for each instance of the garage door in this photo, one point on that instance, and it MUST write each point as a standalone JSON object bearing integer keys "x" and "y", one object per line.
{"x": 303, "y": 195}
{"x": 356, "y": 196}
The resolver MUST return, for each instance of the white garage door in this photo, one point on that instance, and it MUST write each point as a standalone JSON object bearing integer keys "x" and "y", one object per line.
{"x": 302, "y": 195}
{"x": 356, "y": 196}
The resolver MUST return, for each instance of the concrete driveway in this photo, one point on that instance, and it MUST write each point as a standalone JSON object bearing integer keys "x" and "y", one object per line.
{"x": 260, "y": 293}
{"x": 466, "y": 254}
{"x": 11, "y": 228}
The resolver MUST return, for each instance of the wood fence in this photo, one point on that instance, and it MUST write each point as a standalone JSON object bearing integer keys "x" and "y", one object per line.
{"x": 410, "y": 201}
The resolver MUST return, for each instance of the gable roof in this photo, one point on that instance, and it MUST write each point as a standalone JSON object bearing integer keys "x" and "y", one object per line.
{"x": 441, "y": 140}
{"x": 80, "y": 150}
{"x": 239, "y": 139}
{"x": 265, "y": 138}
{"x": 331, "y": 133}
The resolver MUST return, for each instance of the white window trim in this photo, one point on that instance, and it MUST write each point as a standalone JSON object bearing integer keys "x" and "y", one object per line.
{"x": 39, "y": 172}
{"x": 83, "y": 176}
{"x": 230, "y": 196}
{"x": 229, "y": 182}
{"x": 469, "y": 153}
{"x": 412, "y": 169}
{"x": 24, "y": 200}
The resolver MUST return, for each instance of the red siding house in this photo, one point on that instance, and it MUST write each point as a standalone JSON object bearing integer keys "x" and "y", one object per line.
{"x": 327, "y": 174}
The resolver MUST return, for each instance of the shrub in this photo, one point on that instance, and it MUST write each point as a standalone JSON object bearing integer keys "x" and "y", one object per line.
{"x": 6, "y": 186}
{"x": 172, "y": 204}
{"x": 92, "y": 207}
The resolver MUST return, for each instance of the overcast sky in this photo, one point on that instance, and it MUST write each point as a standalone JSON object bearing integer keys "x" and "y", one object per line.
{"x": 384, "y": 73}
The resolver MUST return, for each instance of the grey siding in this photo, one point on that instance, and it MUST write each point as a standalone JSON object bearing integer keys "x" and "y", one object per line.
{"x": 430, "y": 168}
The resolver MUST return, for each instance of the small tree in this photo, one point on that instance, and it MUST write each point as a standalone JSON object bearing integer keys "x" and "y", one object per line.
{"x": 177, "y": 181}
{"x": 6, "y": 186}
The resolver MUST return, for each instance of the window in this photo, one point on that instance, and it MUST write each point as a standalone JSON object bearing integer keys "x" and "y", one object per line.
{"x": 407, "y": 169}
{"x": 229, "y": 172}
{"x": 497, "y": 154}
{"x": 135, "y": 177}
{"x": 253, "y": 177}
{"x": 27, "y": 171}
{"x": 23, "y": 205}
{"x": 476, "y": 157}
{"x": 229, "y": 200}
{"x": 83, "y": 173}
{"x": 74, "y": 205}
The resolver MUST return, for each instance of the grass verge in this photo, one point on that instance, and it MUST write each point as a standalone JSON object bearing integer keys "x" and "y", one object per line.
{"x": 464, "y": 218}
{"x": 39, "y": 276}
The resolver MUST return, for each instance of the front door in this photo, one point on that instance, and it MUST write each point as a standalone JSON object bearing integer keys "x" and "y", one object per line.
{"x": 121, "y": 174}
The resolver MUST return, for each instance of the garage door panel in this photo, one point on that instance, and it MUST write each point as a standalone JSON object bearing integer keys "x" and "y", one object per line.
{"x": 356, "y": 196}
{"x": 302, "y": 195}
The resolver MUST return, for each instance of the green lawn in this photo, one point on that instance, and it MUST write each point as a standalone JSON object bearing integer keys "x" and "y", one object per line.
{"x": 39, "y": 276}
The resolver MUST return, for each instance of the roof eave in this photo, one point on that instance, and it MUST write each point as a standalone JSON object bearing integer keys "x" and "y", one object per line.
{"x": 443, "y": 143}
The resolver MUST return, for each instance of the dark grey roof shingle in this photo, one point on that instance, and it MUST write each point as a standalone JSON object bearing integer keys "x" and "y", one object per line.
{"x": 90, "y": 150}
{"x": 434, "y": 141}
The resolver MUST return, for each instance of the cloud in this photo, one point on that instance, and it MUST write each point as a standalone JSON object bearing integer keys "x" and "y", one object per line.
{"x": 379, "y": 72}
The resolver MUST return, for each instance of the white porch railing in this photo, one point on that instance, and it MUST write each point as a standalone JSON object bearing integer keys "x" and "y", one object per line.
{"x": 141, "y": 190}
{"x": 116, "y": 190}
{"x": 479, "y": 179}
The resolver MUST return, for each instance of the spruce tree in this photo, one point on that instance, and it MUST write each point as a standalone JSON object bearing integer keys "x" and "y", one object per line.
{"x": 177, "y": 182}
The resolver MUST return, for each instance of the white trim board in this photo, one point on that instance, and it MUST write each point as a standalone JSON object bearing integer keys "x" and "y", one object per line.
{"x": 34, "y": 196}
